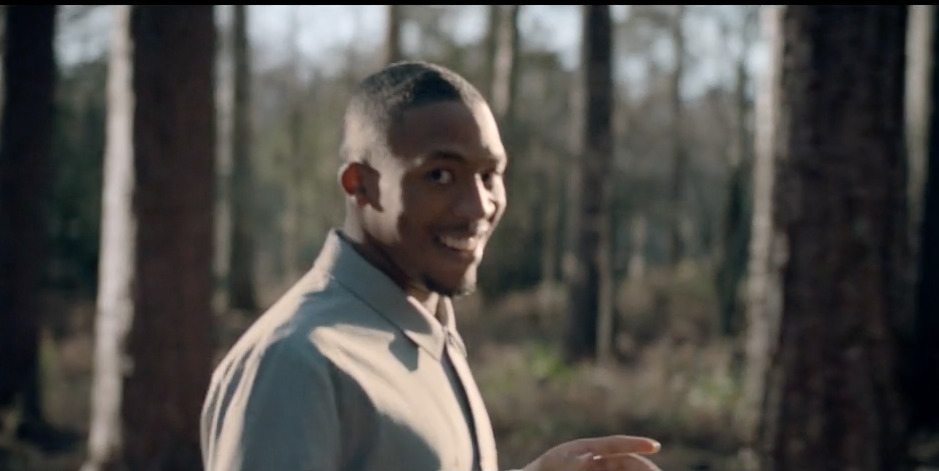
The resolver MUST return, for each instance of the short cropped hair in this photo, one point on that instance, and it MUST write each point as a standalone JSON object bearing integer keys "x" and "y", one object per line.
{"x": 381, "y": 98}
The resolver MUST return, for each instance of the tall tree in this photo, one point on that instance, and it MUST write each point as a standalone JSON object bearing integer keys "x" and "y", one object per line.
{"x": 831, "y": 396}
{"x": 29, "y": 79}
{"x": 504, "y": 61}
{"x": 591, "y": 287}
{"x": 154, "y": 345}
{"x": 241, "y": 288}
{"x": 295, "y": 169}
{"x": 923, "y": 360}
{"x": 676, "y": 247}
{"x": 393, "y": 34}
{"x": 735, "y": 235}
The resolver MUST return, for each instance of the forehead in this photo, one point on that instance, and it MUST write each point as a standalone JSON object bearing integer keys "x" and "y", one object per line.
{"x": 451, "y": 127}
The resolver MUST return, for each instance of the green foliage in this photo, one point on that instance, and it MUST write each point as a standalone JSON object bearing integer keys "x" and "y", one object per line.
{"x": 547, "y": 363}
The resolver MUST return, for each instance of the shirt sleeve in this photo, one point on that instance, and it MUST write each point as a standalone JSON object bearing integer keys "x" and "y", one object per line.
{"x": 275, "y": 412}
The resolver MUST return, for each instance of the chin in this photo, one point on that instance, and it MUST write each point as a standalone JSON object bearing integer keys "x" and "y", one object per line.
{"x": 464, "y": 287}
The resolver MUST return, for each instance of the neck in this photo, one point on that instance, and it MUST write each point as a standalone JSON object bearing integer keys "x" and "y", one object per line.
{"x": 357, "y": 237}
{"x": 429, "y": 301}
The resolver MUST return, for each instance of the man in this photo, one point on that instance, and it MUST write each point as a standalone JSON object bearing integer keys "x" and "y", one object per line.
{"x": 359, "y": 366}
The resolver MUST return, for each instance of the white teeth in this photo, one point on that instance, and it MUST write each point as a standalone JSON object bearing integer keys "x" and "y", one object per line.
{"x": 460, "y": 243}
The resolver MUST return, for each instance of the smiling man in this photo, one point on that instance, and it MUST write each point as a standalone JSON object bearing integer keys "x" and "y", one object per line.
{"x": 360, "y": 366}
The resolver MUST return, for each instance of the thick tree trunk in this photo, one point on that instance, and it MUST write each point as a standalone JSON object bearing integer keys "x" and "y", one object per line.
{"x": 831, "y": 400}
{"x": 155, "y": 313}
{"x": 29, "y": 78}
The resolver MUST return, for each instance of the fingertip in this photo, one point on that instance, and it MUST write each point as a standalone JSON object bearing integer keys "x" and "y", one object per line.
{"x": 652, "y": 445}
{"x": 656, "y": 446}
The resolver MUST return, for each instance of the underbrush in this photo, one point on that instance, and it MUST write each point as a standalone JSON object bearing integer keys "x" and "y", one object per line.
{"x": 674, "y": 378}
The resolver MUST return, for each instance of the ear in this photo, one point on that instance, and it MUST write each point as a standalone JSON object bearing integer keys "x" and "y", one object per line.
{"x": 355, "y": 178}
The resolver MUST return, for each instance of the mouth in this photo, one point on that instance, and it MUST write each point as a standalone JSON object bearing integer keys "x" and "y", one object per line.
{"x": 466, "y": 247}
{"x": 460, "y": 244}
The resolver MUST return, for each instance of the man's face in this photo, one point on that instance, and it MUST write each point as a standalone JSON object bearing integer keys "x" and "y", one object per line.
{"x": 441, "y": 194}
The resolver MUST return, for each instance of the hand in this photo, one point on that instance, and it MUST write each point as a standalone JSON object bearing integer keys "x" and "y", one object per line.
{"x": 610, "y": 453}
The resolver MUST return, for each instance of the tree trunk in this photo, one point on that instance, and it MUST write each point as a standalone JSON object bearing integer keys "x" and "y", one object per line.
{"x": 831, "y": 399}
{"x": 918, "y": 101}
{"x": 505, "y": 59}
{"x": 735, "y": 236}
{"x": 590, "y": 332}
{"x": 676, "y": 248}
{"x": 241, "y": 289}
{"x": 154, "y": 344}
{"x": 393, "y": 34}
{"x": 923, "y": 360}
{"x": 294, "y": 214}
{"x": 552, "y": 214}
{"x": 29, "y": 80}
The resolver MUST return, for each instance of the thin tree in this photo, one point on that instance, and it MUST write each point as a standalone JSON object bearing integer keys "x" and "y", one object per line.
{"x": 676, "y": 247}
{"x": 591, "y": 304}
{"x": 295, "y": 169}
{"x": 505, "y": 61}
{"x": 241, "y": 286}
{"x": 735, "y": 233}
{"x": 923, "y": 359}
{"x": 393, "y": 34}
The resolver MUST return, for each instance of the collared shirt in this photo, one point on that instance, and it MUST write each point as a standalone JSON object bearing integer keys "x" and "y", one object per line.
{"x": 346, "y": 372}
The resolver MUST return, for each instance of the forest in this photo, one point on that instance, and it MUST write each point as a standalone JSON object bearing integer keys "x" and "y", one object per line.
{"x": 722, "y": 227}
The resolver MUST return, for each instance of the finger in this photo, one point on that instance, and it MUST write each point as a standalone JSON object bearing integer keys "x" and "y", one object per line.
{"x": 616, "y": 444}
{"x": 622, "y": 462}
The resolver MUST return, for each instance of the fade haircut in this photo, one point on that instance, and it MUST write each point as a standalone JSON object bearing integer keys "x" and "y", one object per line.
{"x": 381, "y": 98}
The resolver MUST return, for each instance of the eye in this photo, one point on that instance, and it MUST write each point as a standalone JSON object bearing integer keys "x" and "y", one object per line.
{"x": 490, "y": 177}
{"x": 441, "y": 176}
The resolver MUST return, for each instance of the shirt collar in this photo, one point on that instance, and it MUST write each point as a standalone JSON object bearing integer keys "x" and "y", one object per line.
{"x": 370, "y": 285}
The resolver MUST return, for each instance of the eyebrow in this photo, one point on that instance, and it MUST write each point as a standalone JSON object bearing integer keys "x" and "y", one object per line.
{"x": 445, "y": 155}
{"x": 457, "y": 157}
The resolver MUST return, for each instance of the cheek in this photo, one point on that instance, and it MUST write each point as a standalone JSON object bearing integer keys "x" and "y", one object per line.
{"x": 420, "y": 206}
{"x": 391, "y": 194}
{"x": 498, "y": 197}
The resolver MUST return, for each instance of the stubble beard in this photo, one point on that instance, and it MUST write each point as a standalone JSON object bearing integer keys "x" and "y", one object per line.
{"x": 466, "y": 287}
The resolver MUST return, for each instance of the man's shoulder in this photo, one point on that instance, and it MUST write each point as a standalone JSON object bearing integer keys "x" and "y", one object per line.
{"x": 310, "y": 321}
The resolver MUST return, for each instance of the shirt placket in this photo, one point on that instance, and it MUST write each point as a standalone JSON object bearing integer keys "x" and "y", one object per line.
{"x": 481, "y": 428}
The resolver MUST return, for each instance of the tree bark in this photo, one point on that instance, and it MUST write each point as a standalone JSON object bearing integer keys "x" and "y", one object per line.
{"x": 831, "y": 399}
{"x": 155, "y": 312}
{"x": 29, "y": 79}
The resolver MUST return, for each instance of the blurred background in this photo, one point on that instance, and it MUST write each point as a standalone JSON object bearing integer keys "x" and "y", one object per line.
{"x": 721, "y": 229}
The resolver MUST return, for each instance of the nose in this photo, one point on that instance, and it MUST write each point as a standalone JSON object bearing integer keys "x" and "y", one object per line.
{"x": 476, "y": 201}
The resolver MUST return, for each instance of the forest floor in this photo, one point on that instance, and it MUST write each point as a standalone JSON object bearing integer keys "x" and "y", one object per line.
{"x": 671, "y": 379}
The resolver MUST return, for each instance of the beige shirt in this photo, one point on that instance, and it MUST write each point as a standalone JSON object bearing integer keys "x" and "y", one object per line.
{"x": 347, "y": 373}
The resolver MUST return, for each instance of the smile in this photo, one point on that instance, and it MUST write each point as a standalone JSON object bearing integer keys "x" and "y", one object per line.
{"x": 460, "y": 244}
